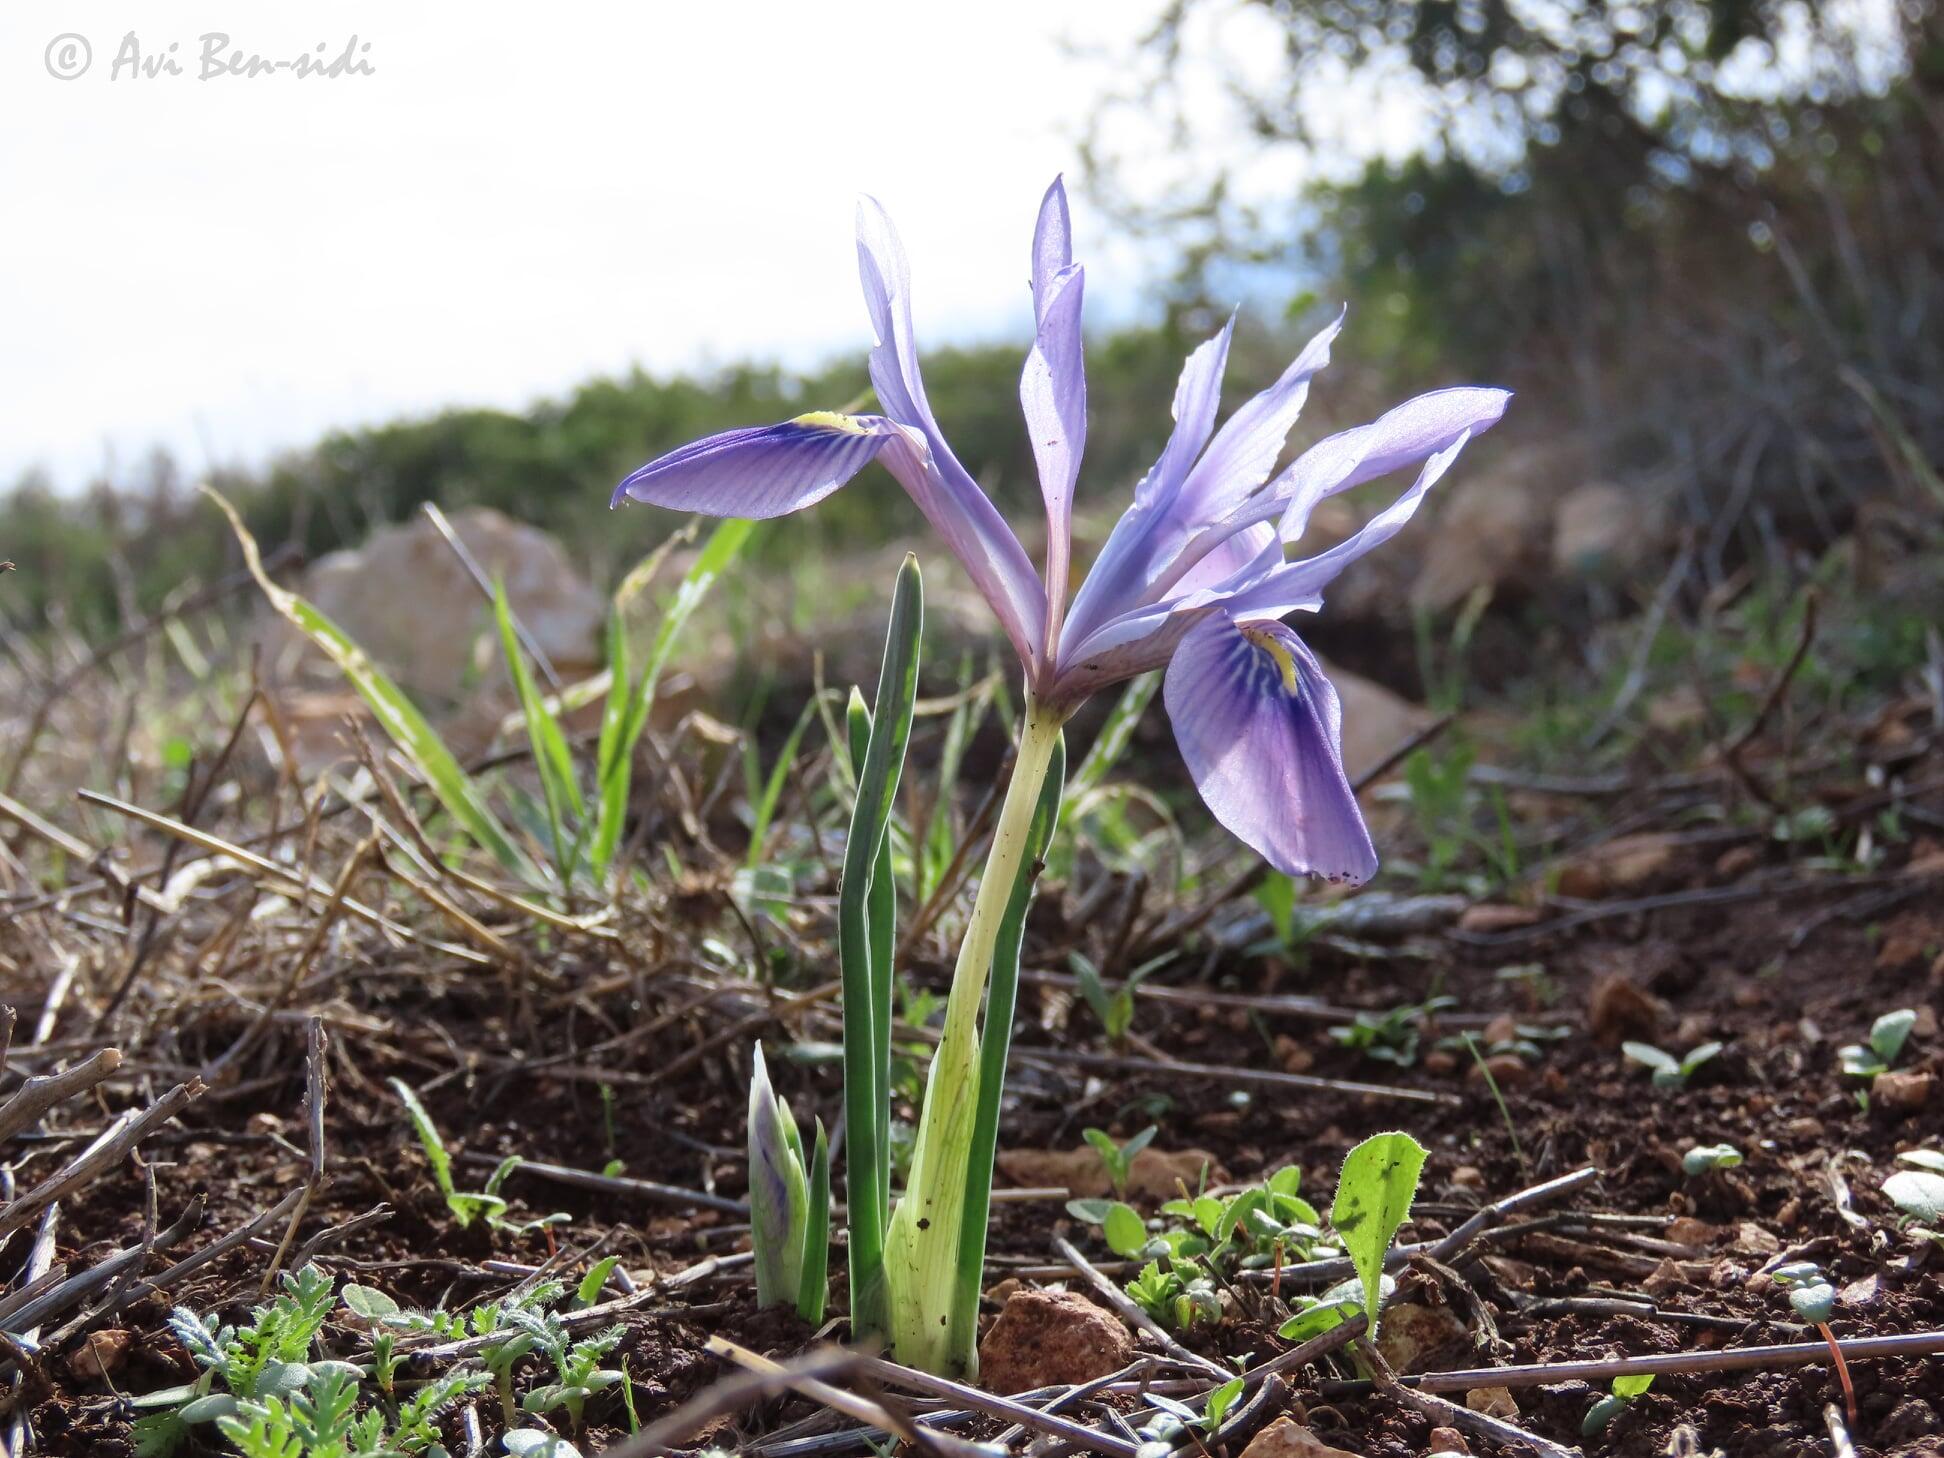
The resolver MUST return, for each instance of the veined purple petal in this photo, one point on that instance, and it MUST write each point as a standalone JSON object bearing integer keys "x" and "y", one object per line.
{"x": 1261, "y": 731}
{"x": 1301, "y": 583}
{"x": 1265, "y": 587}
{"x": 1126, "y": 561}
{"x": 1053, "y": 398}
{"x": 1398, "y": 438}
{"x": 1052, "y": 244}
{"x": 972, "y": 527}
{"x": 1244, "y": 450}
{"x": 764, "y": 470}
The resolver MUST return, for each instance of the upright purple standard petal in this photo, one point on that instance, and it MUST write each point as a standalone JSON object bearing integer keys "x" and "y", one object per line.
{"x": 972, "y": 527}
{"x": 1261, "y": 731}
{"x": 764, "y": 470}
{"x": 1053, "y": 398}
{"x": 1052, "y": 244}
{"x": 1126, "y": 560}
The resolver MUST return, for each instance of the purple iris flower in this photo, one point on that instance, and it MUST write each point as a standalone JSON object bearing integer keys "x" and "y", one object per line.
{"x": 1193, "y": 578}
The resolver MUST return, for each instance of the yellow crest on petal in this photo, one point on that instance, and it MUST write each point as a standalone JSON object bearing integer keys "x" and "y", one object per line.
{"x": 832, "y": 420}
{"x": 1285, "y": 660}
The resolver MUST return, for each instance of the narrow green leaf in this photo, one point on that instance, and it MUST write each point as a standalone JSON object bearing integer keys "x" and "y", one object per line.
{"x": 815, "y": 1288}
{"x": 594, "y": 1281}
{"x": 763, "y": 805}
{"x": 866, "y": 1003}
{"x": 396, "y": 714}
{"x": 1373, "y": 1198}
{"x": 617, "y": 757}
{"x": 428, "y": 1136}
{"x": 551, "y": 757}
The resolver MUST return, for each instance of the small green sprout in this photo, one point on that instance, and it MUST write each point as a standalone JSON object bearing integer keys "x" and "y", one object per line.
{"x": 1373, "y": 1198}
{"x": 1119, "y": 1158}
{"x": 1670, "y": 1072}
{"x": 1618, "y": 1399}
{"x": 1814, "y": 1300}
{"x": 1392, "y": 1036}
{"x": 1887, "y": 1036}
{"x": 1114, "y": 1009}
{"x": 1706, "y": 1158}
{"x": 467, "y": 1205}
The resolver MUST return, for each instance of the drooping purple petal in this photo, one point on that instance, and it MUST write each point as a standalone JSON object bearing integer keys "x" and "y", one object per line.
{"x": 764, "y": 470}
{"x": 961, "y": 513}
{"x": 1052, "y": 244}
{"x": 1053, "y": 398}
{"x": 1260, "y": 729}
{"x": 1126, "y": 560}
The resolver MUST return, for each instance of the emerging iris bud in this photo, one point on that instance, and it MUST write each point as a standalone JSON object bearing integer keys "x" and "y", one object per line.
{"x": 789, "y": 1201}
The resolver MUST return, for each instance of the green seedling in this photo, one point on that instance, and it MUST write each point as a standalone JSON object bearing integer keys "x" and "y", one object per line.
{"x": 1887, "y": 1037}
{"x": 1618, "y": 1399}
{"x": 1119, "y": 1158}
{"x": 538, "y": 1443}
{"x": 1392, "y": 1036}
{"x": 486, "y": 1204}
{"x": 1114, "y": 1009}
{"x": 1669, "y": 1072}
{"x": 1814, "y": 1300}
{"x": 1706, "y": 1158}
{"x": 272, "y": 1397}
{"x": 1373, "y": 1198}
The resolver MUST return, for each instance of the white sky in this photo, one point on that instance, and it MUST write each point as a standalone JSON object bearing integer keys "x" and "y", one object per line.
{"x": 518, "y": 198}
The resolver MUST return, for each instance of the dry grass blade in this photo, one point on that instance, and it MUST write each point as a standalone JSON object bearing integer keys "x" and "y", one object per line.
{"x": 37, "y": 1095}
{"x": 291, "y": 882}
{"x": 109, "y": 1149}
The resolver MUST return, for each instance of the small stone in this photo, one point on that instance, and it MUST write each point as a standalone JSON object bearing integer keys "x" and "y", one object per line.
{"x": 1618, "y": 1010}
{"x": 1752, "y": 1239}
{"x": 1493, "y": 1402}
{"x": 1628, "y": 863}
{"x": 1440, "y": 1062}
{"x": 1469, "y": 1177}
{"x": 1728, "y": 1275}
{"x": 101, "y": 1355}
{"x": 1446, "y": 1440}
{"x": 1047, "y": 1338}
{"x": 1293, "y": 1056}
{"x": 1287, "y": 1438}
{"x": 1695, "y": 1234}
{"x": 1497, "y": 916}
{"x": 1001, "y": 1292}
{"x": 1901, "y": 1092}
{"x": 1502, "y": 1029}
{"x": 1411, "y": 1333}
{"x": 1926, "y": 1024}
{"x": 1664, "y": 1278}
{"x": 1737, "y": 861}
{"x": 1508, "y": 1070}
{"x": 1862, "y": 1294}
{"x": 1899, "y": 950}
{"x": 263, "y": 1122}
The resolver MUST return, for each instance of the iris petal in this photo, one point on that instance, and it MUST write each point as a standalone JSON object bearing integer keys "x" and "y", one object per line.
{"x": 1053, "y": 398}
{"x": 1261, "y": 731}
{"x": 762, "y": 471}
{"x": 1126, "y": 559}
{"x": 961, "y": 513}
